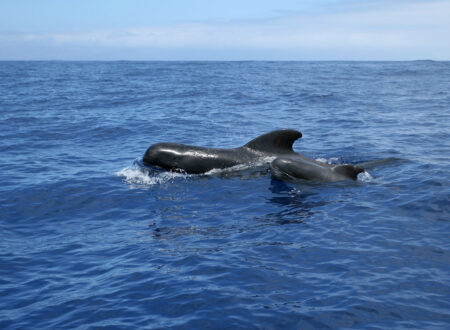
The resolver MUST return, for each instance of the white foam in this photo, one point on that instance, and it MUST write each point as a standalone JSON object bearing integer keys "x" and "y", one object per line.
{"x": 365, "y": 177}
{"x": 142, "y": 177}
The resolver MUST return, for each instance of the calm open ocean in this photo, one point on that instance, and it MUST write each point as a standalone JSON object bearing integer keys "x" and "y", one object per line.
{"x": 91, "y": 238}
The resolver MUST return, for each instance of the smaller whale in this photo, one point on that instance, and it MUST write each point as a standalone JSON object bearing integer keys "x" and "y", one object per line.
{"x": 294, "y": 167}
{"x": 197, "y": 160}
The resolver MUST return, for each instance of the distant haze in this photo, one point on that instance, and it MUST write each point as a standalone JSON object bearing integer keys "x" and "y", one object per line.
{"x": 224, "y": 30}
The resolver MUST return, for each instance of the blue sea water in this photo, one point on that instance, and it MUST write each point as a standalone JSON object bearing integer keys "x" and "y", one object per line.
{"x": 91, "y": 238}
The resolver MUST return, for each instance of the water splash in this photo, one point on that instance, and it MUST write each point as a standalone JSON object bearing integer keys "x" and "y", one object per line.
{"x": 365, "y": 177}
{"x": 141, "y": 176}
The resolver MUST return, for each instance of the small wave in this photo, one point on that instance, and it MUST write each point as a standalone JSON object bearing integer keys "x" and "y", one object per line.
{"x": 141, "y": 176}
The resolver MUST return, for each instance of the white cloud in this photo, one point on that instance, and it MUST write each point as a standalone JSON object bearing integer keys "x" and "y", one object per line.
{"x": 415, "y": 30}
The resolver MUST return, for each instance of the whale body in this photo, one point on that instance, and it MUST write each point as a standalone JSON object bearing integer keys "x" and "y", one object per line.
{"x": 291, "y": 168}
{"x": 197, "y": 160}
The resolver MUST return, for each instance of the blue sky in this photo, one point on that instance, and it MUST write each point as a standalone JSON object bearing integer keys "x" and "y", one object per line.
{"x": 225, "y": 30}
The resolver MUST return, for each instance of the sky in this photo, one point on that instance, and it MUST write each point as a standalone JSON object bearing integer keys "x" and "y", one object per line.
{"x": 224, "y": 30}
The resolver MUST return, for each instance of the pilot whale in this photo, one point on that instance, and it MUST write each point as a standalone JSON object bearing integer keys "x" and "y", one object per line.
{"x": 293, "y": 167}
{"x": 197, "y": 160}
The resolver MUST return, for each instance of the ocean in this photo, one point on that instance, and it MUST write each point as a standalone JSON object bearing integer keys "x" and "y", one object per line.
{"x": 93, "y": 238}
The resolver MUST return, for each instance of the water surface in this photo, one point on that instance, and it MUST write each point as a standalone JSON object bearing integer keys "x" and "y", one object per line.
{"x": 90, "y": 238}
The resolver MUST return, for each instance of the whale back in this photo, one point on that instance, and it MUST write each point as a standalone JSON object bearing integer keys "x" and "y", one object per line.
{"x": 194, "y": 159}
{"x": 291, "y": 167}
{"x": 276, "y": 142}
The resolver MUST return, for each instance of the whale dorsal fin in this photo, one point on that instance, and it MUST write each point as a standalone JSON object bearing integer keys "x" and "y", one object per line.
{"x": 279, "y": 141}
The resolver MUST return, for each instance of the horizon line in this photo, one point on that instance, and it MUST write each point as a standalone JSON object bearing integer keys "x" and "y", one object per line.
{"x": 215, "y": 60}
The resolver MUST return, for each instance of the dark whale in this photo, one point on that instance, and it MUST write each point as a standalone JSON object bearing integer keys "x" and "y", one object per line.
{"x": 293, "y": 167}
{"x": 196, "y": 160}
